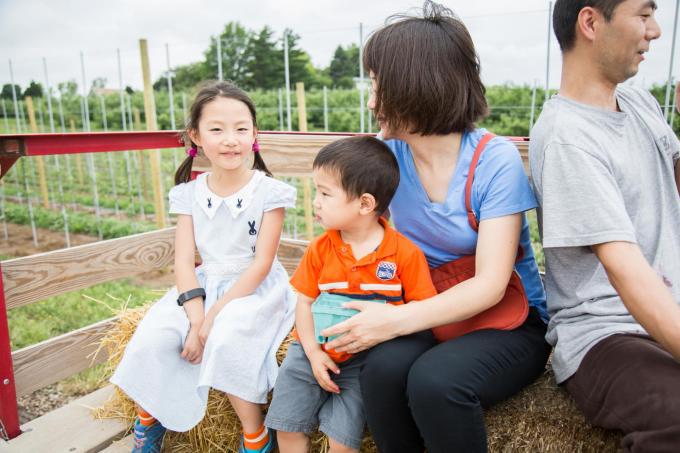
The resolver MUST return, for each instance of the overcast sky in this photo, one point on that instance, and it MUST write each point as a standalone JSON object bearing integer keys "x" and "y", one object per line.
{"x": 510, "y": 36}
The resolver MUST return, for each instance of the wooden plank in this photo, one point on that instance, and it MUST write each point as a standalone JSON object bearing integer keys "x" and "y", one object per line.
{"x": 285, "y": 154}
{"x": 123, "y": 445}
{"x": 36, "y": 277}
{"x": 60, "y": 357}
{"x": 40, "y": 164}
{"x": 48, "y": 362}
{"x": 523, "y": 148}
{"x": 292, "y": 154}
{"x": 69, "y": 429}
{"x": 290, "y": 253}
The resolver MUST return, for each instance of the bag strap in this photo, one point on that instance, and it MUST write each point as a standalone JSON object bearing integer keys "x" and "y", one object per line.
{"x": 472, "y": 218}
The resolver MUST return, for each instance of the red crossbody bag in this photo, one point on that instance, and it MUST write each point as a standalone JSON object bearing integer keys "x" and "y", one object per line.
{"x": 507, "y": 314}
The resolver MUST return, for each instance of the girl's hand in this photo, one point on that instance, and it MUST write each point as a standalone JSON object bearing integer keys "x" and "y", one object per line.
{"x": 206, "y": 327}
{"x": 193, "y": 349}
{"x": 374, "y": 324}
{"x": 321, "y": 363}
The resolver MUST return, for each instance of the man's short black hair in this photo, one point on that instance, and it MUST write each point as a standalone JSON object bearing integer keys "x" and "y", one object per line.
{"x": 565, "y": 15}
{"x": 364, "y": 164}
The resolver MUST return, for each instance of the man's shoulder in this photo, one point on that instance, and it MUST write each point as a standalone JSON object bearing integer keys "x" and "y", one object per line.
{"x": 639, "y": 99}
{"x": 632, "y": 92}
{"x": 568, "y": 124}
{"x": 559, "y": 121}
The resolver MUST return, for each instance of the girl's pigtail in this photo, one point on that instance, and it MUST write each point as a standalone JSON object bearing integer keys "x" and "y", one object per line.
{"x": 258, "y": 163}
{"x": 183, "y": 173}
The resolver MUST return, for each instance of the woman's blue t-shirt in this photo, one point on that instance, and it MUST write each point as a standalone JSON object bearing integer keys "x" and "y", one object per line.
{"x": 442, "y": 231}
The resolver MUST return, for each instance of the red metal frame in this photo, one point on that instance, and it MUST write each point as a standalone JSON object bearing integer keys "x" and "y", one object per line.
{"x": 12, "y": 147}
{"x": 9, "y": 414}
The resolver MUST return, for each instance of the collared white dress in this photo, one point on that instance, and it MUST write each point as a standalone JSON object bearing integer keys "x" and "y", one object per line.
{"x": 240, "y": 354}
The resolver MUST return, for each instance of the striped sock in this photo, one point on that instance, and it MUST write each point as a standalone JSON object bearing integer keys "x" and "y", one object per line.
{"x": 256, "y": 440}
{"x": 145, "y": 419}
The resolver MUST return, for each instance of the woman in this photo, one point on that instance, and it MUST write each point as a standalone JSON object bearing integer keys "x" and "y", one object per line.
{"x": 427, "y": 95}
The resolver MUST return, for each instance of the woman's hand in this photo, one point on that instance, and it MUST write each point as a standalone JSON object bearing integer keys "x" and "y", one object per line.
{"x": 206, "y": 327}
{"x": 374, "y": 324}
{"x": 193, "y": 348}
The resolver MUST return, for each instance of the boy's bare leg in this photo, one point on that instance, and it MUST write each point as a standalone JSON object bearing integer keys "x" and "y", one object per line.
{"x": 290, "y": 442}
{"x": 336, "y": 447}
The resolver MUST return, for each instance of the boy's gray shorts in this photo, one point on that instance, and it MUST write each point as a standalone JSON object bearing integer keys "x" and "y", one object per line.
{"x": 300, "y": 404}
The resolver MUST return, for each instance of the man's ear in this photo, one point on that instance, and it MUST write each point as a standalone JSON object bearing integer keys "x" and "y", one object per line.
{"x": 588, "y": 22}
{"x": 367, "y": 203}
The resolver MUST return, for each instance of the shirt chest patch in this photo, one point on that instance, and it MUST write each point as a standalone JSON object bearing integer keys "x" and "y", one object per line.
{"x": 386, "y": 270}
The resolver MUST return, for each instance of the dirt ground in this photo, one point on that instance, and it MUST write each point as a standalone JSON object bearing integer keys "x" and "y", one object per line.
{"x": 20, "y": 243}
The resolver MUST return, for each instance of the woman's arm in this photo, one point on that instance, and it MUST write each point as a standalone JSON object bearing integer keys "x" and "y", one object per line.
{"x": 265, "y": 251}
{"x": 496, "y": 252}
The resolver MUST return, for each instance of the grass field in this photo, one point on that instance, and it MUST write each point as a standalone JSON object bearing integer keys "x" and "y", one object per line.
{"x": 40, "y": 321}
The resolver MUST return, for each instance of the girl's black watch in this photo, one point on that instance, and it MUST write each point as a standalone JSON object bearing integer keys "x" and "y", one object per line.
{"x": 187, "y": 296}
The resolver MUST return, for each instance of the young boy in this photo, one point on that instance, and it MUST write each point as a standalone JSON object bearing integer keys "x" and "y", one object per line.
{"x": 359, "y": 256}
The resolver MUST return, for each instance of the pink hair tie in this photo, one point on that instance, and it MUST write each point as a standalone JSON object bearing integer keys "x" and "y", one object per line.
{"x": 256, "y": 146}
{"x": 192, "y": 152}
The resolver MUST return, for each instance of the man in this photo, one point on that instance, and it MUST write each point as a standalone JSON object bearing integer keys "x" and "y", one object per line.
{"x": 605, "y": 170}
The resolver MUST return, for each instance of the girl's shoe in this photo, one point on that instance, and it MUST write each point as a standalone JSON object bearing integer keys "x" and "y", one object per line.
{"x": 267, "y": 448}
{"x": 148, "y": 439}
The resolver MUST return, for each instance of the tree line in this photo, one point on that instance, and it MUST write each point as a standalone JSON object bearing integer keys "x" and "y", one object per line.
{"x": 253, "y": 59}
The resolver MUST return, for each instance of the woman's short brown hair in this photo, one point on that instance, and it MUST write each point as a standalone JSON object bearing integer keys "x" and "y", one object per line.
{"x": 427, "y": 73}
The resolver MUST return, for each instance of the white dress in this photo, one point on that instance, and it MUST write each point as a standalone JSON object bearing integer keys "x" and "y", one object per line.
{"x": 240, "y": 354}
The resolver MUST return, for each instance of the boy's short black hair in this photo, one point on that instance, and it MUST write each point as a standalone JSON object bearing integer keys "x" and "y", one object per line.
{"x": 364, "y": 164}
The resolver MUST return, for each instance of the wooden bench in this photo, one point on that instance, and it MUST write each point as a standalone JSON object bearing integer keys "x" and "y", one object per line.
{"x": 37, "y": 277}
{"x": 33, "y": 278}
{"x": 30, "y": 279}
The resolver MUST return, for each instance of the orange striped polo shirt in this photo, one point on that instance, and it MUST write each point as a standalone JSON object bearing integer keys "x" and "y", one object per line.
{"x": 396, "y": 272}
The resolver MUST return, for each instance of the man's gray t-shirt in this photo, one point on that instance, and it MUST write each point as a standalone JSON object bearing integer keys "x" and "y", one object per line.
{"x": 601, "y": 176}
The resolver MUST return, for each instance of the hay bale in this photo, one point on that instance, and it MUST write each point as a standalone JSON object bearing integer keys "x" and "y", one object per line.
{"x": 544, "y": 418}
{"x": 541, "y": 418}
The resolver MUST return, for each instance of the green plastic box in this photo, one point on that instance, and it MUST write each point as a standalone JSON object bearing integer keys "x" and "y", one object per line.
{"x": 328, "y": 311}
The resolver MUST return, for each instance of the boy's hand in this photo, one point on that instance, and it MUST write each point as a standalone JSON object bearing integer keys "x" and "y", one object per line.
{"x": 321, "y": 363}
{"x": 206, "y": 327}
{"x": 193, "y": 349}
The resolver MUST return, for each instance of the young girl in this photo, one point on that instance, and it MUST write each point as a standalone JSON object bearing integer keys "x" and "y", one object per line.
{"x": 223, "y": 323}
